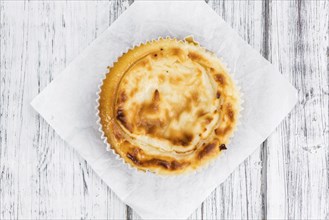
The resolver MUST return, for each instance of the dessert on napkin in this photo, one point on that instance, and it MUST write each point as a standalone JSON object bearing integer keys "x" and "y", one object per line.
{"x": 267, "y": 96}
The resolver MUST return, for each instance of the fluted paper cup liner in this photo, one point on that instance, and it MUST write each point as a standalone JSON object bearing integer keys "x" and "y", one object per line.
{"x": 148, "y": 172}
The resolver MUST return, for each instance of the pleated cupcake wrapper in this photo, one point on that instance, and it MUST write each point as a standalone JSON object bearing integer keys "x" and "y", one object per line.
{"x": 147, "y": 172}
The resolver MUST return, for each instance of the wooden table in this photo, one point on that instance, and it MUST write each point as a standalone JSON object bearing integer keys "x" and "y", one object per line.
{"x": 41, "y": 177}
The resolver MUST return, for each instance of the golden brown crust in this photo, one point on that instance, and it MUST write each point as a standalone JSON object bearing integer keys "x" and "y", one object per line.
{"x": 168, "y": 106}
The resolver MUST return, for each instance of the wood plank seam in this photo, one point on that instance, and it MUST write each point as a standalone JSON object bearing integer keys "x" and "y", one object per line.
{"x": 266, "y": 55}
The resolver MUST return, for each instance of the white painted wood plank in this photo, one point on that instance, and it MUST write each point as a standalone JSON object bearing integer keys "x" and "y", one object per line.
{"x": 297, "y": 167}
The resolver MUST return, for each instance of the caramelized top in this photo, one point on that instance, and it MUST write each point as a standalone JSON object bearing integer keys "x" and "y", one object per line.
{"x": 168, "y": 106}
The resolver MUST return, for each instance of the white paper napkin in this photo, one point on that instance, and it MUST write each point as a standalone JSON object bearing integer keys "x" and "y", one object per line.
{"x": 68, "y": 103}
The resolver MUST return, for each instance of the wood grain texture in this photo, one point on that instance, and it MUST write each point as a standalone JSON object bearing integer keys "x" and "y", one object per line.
{"x": 297, "y": 159}
{"x": 41, "y": 177}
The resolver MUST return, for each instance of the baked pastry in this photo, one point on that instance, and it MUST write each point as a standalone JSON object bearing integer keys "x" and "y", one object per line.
{"x": 168, "y": 106}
